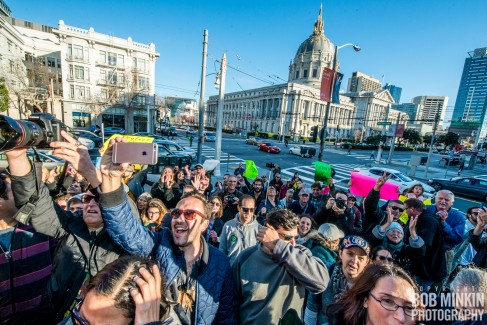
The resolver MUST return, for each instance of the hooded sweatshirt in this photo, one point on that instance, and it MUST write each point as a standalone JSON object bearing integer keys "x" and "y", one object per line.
{"x": 236, "y": 237}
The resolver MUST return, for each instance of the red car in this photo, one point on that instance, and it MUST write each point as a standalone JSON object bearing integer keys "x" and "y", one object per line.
{"x": 269, "y": 147}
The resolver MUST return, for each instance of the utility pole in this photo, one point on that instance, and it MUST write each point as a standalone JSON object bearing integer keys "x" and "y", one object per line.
{"x": 437, "y": 118}
{"x": 391, "y": 150}
{"x": 219, "y": 116}
{"x": 201, "y": 107}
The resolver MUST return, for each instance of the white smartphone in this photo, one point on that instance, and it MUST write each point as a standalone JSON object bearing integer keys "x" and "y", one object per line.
{"x": 135, "y": 152}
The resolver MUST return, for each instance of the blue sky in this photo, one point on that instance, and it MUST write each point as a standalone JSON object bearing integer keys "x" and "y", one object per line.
{"x": 419, "y": 45}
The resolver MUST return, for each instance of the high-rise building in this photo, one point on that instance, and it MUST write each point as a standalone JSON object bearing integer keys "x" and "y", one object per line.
{"x": 429, "y": 106}
{"x": 395, "y": 92}
{"x": 471, "y": 103}
{"x": 362, "y": 82}
{"x": 411, "y": 109}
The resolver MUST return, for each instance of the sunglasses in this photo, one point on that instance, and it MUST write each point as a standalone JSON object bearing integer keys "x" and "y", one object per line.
{"x": 75, "y": 317}
{"x": 383, "y": 258}
{"x": 87, "y": 198}
{"x": 247, "y": 209}
{"x": 397, "y": 208}
{"x": 188, "y": 214}
{"x": 288, "y": 237}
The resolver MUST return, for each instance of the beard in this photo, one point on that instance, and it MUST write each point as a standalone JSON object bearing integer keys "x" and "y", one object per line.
{"x": 187, "y": 237}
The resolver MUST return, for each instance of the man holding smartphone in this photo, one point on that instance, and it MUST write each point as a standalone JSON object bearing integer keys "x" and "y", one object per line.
{"x": 202, "y": 294}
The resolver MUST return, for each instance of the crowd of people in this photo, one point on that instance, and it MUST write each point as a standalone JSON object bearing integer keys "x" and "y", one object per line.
{"x": 91, "y": 246}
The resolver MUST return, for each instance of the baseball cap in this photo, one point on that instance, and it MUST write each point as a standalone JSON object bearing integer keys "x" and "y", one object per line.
{"x": 304, "y": 191}
{"x": 330, "y": 231}
{"x": 355, "y": 241}
{"x": 198, "y": 165}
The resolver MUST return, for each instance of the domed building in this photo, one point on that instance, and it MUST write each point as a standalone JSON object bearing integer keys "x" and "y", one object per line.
{"x": 313, "y": 55}
{"x": 293, "y": 108}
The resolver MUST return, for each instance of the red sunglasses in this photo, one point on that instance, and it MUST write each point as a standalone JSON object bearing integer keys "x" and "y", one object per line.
{"x": 188, "y": 214}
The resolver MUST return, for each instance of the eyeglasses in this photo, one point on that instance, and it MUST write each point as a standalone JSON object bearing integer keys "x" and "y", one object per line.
{"x": 383, "y": 258}
{"x": 390, "y": 305}
{"x": 246, "y": 210}
{"x": 288, "y": 237}
{"x": 188, "y": 214}
{"x": 397, "y": 208}
{"x": 151, "y": 213}
{"x": 75, "y": 317}
{"x": 215, "y": 204}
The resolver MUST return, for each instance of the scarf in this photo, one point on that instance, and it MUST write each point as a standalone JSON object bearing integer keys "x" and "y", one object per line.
{"x": 394, "y": 248}
{"x": 338, "y": 281}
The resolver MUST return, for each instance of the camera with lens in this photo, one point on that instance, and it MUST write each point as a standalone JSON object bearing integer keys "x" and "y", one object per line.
{"x": 37, "y": 131}
{"x": 231, "y": 197}
{"x": 340, "y": 203}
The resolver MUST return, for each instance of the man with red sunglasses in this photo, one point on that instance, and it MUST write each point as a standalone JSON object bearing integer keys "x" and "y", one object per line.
{"x": 199, "y": 277}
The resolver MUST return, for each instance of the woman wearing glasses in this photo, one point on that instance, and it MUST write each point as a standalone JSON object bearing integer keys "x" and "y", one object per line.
{"x": 384, "y": 294}
{"x": 216, "y": 224}
{"x": 153, "y": 214}
{"x": 380, "y": 254}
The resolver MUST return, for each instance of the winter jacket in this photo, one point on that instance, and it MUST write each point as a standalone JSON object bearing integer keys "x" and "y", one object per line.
{"x": 215, "y": 294}
{"x": 345, "y": 221}
{"x": 480, "y": 245}
{"x": 236, "y": 237}
{"x": 298, "y": 209}
{"x": 137, "y": 182}
{"x": 453, "y": 227}
{"x": 80, "y": 254}
{"x": 24, "y": 277}
{"x": 168, "y": 195}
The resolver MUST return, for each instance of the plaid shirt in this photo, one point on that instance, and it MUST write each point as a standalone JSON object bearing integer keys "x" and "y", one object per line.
{"x": 316, "y": 201}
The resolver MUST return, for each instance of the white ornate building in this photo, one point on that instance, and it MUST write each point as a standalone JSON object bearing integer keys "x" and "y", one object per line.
{"x": 293, "y": 108}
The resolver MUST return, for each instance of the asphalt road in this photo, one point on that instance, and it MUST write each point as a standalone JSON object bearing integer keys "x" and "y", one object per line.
{"x": 342, "y": 162}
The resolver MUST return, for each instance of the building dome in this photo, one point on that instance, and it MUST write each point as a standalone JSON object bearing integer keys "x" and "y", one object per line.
{"x": 314, "y": 54}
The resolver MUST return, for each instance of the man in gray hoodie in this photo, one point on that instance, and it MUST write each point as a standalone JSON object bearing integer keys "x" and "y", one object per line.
{"x": 272, "y": 276}
{"x": 241, "y": 232}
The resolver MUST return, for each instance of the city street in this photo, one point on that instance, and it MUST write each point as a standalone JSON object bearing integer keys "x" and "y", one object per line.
{"x": 235, "y": 150}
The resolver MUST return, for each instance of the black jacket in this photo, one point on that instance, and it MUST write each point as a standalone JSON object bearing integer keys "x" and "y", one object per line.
{"x": 480, "y": 245}
{"x": 79, "y": 253}
{"x": 345, "y": 222}
{"x": 168, "y": 195}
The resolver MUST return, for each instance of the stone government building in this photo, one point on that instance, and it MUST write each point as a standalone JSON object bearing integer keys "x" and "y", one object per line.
{"x": 295, "y": 107}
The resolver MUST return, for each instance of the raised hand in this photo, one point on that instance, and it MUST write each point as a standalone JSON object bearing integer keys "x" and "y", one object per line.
{"x": 381, "y": 181}
{"x": 268, "y": 236}
{"x": 148, "y": 298}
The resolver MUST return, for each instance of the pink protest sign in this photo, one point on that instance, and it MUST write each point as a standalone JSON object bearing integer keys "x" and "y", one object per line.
{"x": 361, "y": 186}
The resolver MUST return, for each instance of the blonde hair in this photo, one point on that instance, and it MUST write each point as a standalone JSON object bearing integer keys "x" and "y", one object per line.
{"x": 154, "y": 203}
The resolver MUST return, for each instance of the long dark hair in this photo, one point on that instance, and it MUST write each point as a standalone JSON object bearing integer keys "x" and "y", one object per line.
{"x": 349, "y": 309}
{"x": 115, "y": 280}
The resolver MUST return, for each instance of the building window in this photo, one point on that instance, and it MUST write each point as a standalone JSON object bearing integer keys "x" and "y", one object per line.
{"x": 77, "y": 52}
{"x": 315, "y": 73}
{"x": 51, "y": 62}
{"x": 41, "y": 60}
{"x": 112, "y": 58}
{"x": 140, "y": 65}
{"x": 58, "y": 63}
{"x": 297, "y": 74}
{"x": 78, "y": 72}
{"x": 121, "y": 60}
{"x": 10, "y": 46}
{"x": 102, "y": 57}
{"x": 79, "y": 92}
{"x": 143, "y": 82}
{"x": 104, "y": 94}
{"x": 305, "y": 73}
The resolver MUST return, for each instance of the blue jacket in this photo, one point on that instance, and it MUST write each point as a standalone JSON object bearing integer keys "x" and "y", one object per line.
{"x": 215, "y": 293}
{"x": 453, "y": 227}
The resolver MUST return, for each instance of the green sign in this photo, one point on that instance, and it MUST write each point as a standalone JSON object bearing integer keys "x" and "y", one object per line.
{"x": 384, "y": 123}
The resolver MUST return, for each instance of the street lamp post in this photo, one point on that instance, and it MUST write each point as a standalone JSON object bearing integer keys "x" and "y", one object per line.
{"x": 219, "y": 116}
{"x": 328, "y": 105}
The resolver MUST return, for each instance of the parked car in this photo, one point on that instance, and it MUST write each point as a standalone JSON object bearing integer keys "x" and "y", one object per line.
{"x": 191, "y": 132}
{"x": 175, "y": 147}
{"x": 209, "y": 137}
{"x": 303, "y": 151}
{"x": 169, "y": 131}
{"x": 253, "y": 141}
{"x": 345, "y": 145}
{"x": 47, "y": 160}
{"x": 269, "y": 147}
{"x": 110, "y": 131}
{"x": 475, "y": 187}
{"x": 152, "y": 135}
{"x": 98, "y": 141}
{"x": 169, "y": 158}
{"x": 398, "y": 178}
